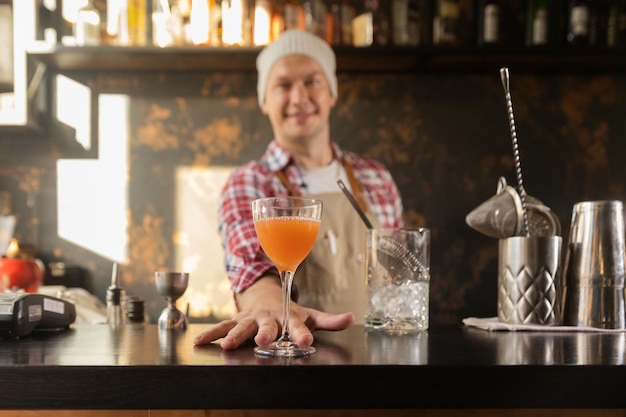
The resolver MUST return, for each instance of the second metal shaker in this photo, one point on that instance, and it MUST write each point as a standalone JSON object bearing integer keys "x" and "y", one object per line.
{"x": 594, "y": 266}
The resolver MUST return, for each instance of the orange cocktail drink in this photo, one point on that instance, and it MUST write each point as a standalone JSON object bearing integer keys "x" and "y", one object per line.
{"x": 286, "y": 228}
{"x": 287, "y": 240}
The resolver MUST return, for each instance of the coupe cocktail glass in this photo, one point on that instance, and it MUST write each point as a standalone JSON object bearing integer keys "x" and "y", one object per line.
{"x": 287, "y": 228}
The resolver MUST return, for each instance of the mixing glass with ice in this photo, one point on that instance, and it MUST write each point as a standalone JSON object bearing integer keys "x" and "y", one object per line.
{"x": 398, "y": 279}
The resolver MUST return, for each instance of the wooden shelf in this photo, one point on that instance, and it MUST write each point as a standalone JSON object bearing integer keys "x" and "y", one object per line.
{"x": 426, "y": 59}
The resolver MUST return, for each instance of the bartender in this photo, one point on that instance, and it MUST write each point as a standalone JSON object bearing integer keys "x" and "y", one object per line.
{"x": 297, "y": 89}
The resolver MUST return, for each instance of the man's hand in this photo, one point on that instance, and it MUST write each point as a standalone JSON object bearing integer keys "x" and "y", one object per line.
{"x": 260, "y": 317}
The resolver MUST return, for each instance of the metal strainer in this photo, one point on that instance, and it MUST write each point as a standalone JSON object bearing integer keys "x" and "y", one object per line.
{"x": 502, "y": 215}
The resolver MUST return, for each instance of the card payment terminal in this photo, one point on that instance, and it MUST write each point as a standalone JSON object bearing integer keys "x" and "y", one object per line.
{"x": 22, "y": 313}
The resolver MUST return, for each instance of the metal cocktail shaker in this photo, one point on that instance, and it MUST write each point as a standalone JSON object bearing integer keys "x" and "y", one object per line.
{"x": 529, "y": 276}
{"x": 594, "y": 266}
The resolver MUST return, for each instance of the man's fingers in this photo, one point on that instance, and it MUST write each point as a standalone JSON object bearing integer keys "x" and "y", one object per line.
{"x": 266, "y": 329}
{"x": 333, "y": 322}
{"x": 215, "y": 332}
{"x": 244, "y": 330}
{"x": 268, "y": 332}
{"x": 301, "y": 334}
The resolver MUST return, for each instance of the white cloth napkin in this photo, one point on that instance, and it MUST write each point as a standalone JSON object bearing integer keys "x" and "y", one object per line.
{"x": 493, "y": 324}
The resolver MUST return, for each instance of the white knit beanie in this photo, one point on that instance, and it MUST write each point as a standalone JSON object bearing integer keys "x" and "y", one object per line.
{"x": 296, "y": 42}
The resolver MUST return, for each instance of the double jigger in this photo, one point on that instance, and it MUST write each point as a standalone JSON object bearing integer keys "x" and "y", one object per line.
{"x": 172, "y": 285}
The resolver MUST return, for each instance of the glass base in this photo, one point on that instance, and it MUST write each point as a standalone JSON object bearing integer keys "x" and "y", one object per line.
{"x": 284, "y": 349}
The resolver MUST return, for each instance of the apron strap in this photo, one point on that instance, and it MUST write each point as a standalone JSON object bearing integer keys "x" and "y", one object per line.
{"x": 356, "y": 187}
{"x": 283, "y": 178}
{"x": 354, "y": 184}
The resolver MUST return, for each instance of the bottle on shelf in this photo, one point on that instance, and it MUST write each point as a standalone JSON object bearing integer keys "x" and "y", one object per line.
{"x": 347, "y": 12}
{"x": 113, "y": 9}
{"x": 137, "y": 22}
{"x": 167, "y": 24}
{"x": 488, "y": 14}
{"x": 598, "y": 17}
{"x": 234, "y": 15}
{"x": 315, "y": 17}
{"x": 87, "y": 28}
{"x": 620, "y": 36}
{"x": 537, "y": 23}
{"x": 415, "y": 25}
{"x": 292, "y": 13}
{"x": 248, "y": 21}
{"x": 278, "y": 24}
{"x": 199, "y": 17}
{"x": 616, "y": 24}
{"x": 215, "y": 22}
{"x": 446, "y": 23}
{"x": 400, "y": 22}
{"x": 579, "y": 23}
{"x": 371, "y": 26}
{"x": 333, "y": 23}
{"x": 262, "y": 22}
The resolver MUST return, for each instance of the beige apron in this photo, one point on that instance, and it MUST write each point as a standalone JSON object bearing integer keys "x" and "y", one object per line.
{"x": 332, "y": 277}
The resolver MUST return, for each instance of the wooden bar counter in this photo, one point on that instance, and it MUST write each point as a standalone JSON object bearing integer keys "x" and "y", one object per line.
{"x": 93, "y": 367}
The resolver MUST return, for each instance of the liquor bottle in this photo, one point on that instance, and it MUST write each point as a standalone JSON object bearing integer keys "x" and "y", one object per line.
{"x": 400, "y": 22}
{"x": 262, "y": 21}
{"x": 488, "y": 22}
{"x": 333, "y": 23}
{"x": 537, "y": 23}
{"x": 598, "y": 16}
{"x": 199, "y": 17}
{"x": 347, "y": 14}
{"x": 579, "y": 20}
{"x": 315, "y": 17}
{"x": 234, "y": 13}
{"x": 113, "y": 17}
{"x": 184, "y": 8}
{"x": 248, "y": 21}
{"x": 136, "y": 20}
{"x": 415, "y": 24}
{"x": 7, "y": 80}
{"x": 621, "y": 24}
{"x": 167, "y": 23}
{"x": 278, "y": 23}
{"x": 160, "y": 35}
{"x": 293, "y": 15}
{"x": 87, "y": 26}
{"x": 446, "y": 22}
{"x": 371, "y": 26}
{"x": 215, "y": 23}
{"x": 616, "y": 24}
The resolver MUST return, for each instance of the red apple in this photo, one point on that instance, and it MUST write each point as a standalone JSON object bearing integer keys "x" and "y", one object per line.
{"x": 23, "y": 273}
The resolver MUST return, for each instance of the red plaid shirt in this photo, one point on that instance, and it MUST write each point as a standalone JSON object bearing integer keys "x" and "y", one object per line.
{"x": 245, "y": 261}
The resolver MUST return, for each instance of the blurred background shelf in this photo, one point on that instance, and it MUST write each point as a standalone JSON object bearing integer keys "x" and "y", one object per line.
{"x": 387, "y": 59}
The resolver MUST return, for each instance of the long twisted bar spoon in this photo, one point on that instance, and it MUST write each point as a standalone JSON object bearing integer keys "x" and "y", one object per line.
{"x": 504, "y": 76}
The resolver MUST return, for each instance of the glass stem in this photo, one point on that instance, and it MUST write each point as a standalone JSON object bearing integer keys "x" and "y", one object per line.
{"x": 286, "y": 279}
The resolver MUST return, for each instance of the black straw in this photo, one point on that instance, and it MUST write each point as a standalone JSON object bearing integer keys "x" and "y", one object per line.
{"x": 355, "y": 204}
